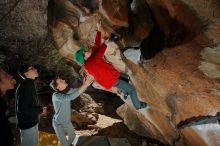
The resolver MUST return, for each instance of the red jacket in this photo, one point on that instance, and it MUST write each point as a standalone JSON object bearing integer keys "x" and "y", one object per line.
{"x": 104, "y": 73}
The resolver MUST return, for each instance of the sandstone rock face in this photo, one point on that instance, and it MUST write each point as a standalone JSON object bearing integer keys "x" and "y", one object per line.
{"x": 173, "y": 77}
{"x": 115, "y": 11}
{"x": 177, "y": 20}
{"x": 202, "y": 135}
{"x": 181, "y": 83}
{"x": 208, "y": 12}
{"x": 146, "y": 123}
{"x": 210, "y": 64}
{"x": 176, "y": 82}
{"x": 87, "y": 30}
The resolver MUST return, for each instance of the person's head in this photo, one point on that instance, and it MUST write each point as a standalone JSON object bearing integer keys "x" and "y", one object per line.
{"x": 87, "y": 54}
{"x": 6, "y": 82}
{"x": 28, "y": 71}
{"x": 58, "y": 84}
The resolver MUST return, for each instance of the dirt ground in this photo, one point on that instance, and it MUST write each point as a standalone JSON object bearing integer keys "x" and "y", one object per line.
{"x": 106, "y": 126}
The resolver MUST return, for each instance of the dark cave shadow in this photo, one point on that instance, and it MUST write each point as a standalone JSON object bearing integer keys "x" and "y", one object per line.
{"x": 109, "y": 100}
{"x": 119, "y": 130}
{"x": 199, "y": 121}
{"x": 175, "y": 35}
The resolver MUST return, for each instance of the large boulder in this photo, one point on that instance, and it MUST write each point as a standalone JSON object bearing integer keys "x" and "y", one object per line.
{"x": 181, "y": 82}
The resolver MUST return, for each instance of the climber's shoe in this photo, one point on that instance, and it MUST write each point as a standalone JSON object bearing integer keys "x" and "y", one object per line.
{"x": 144, "y": 108}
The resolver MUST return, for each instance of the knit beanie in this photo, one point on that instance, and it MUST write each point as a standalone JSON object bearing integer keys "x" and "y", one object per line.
{"x": 79, "y": 55}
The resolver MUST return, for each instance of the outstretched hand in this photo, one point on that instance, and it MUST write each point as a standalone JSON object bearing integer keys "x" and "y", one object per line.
{"x": 89, "y": 80}
{"x": 99, "y": 25}
{"x": 86, "y": 84}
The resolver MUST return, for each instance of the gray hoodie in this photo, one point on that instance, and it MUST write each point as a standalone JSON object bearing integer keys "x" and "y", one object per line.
{"x": 62, "y": 107}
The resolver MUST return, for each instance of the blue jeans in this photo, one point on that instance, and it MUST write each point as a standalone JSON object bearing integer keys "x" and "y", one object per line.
{"x": 63, "y": 130}
{"x": 29, "y": 137}
{"x": 128, "y": 88}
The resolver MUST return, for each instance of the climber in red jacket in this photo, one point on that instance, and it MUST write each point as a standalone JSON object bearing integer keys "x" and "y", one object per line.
{"x": 104, "y": 73}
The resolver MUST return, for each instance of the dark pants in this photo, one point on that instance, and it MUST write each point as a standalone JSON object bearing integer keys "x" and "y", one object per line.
{"x": 128, "y": 88}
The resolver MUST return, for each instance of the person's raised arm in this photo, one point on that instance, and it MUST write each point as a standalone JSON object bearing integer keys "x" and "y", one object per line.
{"x": 86, "y": 84}
{"x": 97, "y": 42}
{"x": 74, "y": 92}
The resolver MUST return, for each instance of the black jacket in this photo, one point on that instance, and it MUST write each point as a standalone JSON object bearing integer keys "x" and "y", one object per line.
{"x": 27, "y": 108}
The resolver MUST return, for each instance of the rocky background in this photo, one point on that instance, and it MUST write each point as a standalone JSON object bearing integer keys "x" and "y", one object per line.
{"x": 179, "y": 76}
